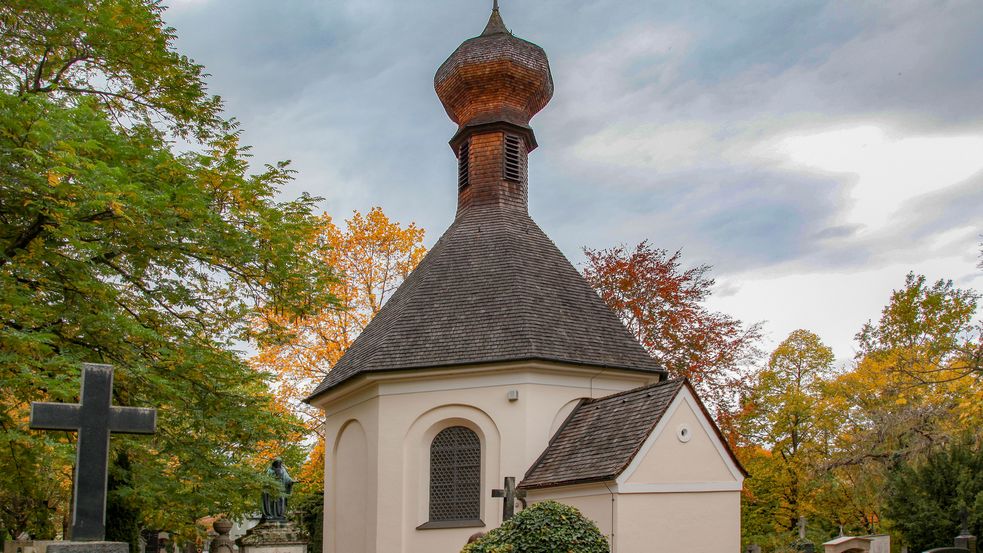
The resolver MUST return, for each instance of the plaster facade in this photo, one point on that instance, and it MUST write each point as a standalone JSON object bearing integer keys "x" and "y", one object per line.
{"x": 681, "y": 492}
{"x": 378, "y": 431}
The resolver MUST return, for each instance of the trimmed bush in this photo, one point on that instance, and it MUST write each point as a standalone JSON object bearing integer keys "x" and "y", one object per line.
{"x": 547, "y": 527}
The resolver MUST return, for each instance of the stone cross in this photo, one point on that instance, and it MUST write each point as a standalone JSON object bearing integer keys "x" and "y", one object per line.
{"x": 510, "y": 494}
{"x": 94, "y": 418}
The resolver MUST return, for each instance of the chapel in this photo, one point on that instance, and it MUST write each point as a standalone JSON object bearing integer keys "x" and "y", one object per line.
{"x": 496, "y": 360}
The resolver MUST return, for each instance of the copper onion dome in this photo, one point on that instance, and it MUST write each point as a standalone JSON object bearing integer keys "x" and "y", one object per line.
{"x": 494, "y": 78}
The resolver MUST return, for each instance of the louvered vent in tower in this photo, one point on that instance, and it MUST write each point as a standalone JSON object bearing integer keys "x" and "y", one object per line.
{"x": 463, "y": 165}
{"x": 513, "y": 159}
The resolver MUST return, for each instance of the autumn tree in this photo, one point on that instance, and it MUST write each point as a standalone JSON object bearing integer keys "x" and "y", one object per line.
{"x": 372, "y": 255}
{"x": 662, "y": 305}
{"x": 787, "y": 416}
{"x": 117, "y": 248}
{"x": 908, "y": 395}
{"x": 927, "y": 332}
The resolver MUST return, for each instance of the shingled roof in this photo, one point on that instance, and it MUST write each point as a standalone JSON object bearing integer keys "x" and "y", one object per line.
{"x": 493, "y": 288}
{"x": 601, "y": 437}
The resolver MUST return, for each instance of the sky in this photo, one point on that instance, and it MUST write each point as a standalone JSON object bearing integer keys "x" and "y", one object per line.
{"x": 812, "y": 152}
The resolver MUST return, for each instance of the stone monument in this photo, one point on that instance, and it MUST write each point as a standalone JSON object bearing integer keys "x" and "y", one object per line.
{"x": 222, "y": 543}
{"x": 94, "y": 418}
{"x": 966, "y": 540}
{"x": 274, "y": 533}
{"x": 803, "y": 545}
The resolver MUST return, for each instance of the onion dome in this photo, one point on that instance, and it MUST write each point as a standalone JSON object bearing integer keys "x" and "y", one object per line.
{"x": 494, "y": 78}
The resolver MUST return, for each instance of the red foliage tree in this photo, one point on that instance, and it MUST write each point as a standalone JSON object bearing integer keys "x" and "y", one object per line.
{"x": 662, "y": 306}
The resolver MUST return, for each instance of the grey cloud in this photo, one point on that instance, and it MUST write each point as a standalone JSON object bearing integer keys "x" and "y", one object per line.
{"x": 345, "y": 90}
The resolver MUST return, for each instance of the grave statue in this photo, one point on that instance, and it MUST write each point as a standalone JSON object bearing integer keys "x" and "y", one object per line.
{"x": 275, "y": 506}
{"x": 274, "y": 533}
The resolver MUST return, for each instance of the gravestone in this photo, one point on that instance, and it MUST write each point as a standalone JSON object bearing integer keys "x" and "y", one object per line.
{"x": 965, "y": 539}
{"x": 94, "y": 418}
{"x": 510, "y": 495}
{"x": 803, "y": 545}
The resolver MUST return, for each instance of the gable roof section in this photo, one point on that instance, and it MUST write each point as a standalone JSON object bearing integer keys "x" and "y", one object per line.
{"x": 601, "y": 437}
{"x": 493, "y": 288}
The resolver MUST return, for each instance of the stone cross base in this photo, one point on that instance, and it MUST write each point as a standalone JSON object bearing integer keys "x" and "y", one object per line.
{"x": 273, "y": 537}
{"x": 88, "y": 547}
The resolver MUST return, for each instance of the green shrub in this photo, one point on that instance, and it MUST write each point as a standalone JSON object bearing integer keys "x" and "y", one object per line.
{"x": 547, "y": 527}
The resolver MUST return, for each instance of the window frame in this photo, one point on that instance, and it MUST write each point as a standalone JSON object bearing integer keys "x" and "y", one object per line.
{"x": 463, "y": 521}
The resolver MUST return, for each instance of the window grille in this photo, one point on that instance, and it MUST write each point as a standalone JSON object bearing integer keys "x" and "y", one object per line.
{"x": 463, "y": 165}
{"x": 455, "y": 475}
{"x": 513, "y": 159}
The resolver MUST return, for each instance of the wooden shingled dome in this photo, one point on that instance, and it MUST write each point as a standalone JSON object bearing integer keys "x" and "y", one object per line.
{"x": 494, "y": 78}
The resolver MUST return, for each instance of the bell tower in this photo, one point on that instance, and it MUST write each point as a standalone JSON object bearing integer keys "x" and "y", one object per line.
{"x": 491, "y": 86}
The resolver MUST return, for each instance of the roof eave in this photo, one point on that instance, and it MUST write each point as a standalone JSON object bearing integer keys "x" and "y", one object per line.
{"x": 316, "y": 394}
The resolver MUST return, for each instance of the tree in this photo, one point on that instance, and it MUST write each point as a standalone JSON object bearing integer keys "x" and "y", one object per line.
{"x": 372, "y": 256}
{"x": 662, "y": 306}
{"x": 788, "y": 416}
{"x": 115, "y": 248}
{"x": 926, "y": 500}
{"x": 927, "y": 332}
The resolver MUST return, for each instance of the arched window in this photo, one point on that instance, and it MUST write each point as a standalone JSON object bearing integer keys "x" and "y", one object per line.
{"x": 455, "y": 475}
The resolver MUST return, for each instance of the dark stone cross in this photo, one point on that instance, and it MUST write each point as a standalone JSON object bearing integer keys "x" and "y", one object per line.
{"x": 510, "y": 494}
{"x": 94, "y": 418}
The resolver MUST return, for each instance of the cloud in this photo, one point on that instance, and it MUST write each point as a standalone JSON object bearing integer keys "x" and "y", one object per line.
{"x": 668, "y": 124}
{"x": 890, "y": 170}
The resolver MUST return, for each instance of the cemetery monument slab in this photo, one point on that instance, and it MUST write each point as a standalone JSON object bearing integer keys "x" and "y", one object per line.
{"x": 95, "y": 419}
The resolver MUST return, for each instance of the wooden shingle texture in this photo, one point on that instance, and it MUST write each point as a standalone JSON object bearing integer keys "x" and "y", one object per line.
{"x": 493, "y": 288}
{"x": 601, "y": 437}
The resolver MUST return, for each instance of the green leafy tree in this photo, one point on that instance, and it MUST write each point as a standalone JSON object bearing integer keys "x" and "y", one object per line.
{"x": 927, "y": 499}
{"x": 927, "y": 332}
{"x": 116, "y": 248}
{"x": 547, "y": 527}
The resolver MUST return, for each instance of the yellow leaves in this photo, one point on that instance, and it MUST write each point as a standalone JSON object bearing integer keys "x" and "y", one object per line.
{"x": 371, "y": 255}
{"x": 53, "y": 178}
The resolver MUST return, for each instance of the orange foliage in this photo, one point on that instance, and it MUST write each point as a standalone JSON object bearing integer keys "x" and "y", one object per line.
{"x": 662, "y": 306}
{"x": 371, "y": 257}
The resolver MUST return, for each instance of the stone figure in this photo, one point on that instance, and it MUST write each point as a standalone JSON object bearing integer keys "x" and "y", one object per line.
{"x": 275, "y": 506}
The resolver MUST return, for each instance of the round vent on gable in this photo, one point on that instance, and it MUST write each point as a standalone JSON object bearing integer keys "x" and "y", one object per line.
{"x": 684, "y": 433}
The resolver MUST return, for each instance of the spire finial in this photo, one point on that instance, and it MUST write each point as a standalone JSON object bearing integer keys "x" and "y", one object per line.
{"x": 495, "y": 24}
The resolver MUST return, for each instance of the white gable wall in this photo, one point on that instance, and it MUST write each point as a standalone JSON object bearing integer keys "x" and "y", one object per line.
{"x": 682, "y": 492}
{"x": 683, "y": 453}
{"x": 675, "y": 495}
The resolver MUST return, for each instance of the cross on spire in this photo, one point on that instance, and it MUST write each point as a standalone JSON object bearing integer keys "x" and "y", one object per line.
{"x": 495, "y": 5}
{"x": 94, "y": 418}
{"x": 510, "y": 494}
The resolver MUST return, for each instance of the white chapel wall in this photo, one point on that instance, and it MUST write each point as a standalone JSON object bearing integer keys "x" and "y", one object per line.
{"x": 350, "y": 501}
{"x": 410, "y": 408}
{"x": 694, "y": 522}
{"x": 351, "y": 452}
{"x": 683, "y": 491}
